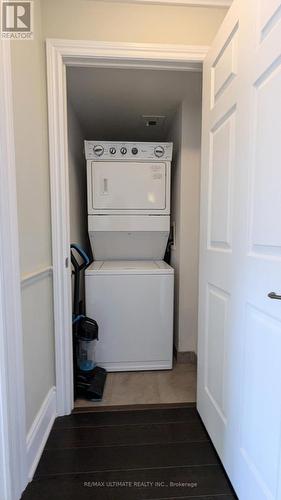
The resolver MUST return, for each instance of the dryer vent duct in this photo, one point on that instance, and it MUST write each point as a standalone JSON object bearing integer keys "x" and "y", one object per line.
{"x": 153, "y": 121}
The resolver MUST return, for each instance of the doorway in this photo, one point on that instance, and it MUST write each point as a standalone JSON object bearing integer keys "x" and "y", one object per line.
{"x": 60, "y": 55}
{"x": 140, "y": 107}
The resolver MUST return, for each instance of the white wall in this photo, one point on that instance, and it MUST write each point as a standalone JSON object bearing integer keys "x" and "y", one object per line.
{"x": 190, "y": 220}
{"x": 78, "y": 213}
{"x": 186, "y": 134}
{"x": 175, "y": 136}
{"x": 77, "y": 180}
{"x": 31, "y": 140}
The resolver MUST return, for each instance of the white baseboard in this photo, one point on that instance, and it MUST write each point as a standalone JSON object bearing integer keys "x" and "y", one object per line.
{"x": 128, "y": 366}
{"x": 39, "y": 431}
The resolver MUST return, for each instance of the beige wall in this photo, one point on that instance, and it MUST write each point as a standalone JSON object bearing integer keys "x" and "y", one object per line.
{"x": 113, "y": 21}
{"x": 186, "y": 134}
{"x": 38, "y": 344}
{"x": 75, "y": 19}
{"x": 31, "y": 139}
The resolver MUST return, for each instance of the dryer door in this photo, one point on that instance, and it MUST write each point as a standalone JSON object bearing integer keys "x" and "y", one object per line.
{"x": 128, "y": 186}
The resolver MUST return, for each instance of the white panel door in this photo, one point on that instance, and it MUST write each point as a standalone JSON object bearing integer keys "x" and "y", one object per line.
{"x": 239, "y": 396}
{"x": 217, "y": 247}
{"x": 129, "y": 186}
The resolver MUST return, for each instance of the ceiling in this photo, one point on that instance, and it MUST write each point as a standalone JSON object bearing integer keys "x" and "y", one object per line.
{"x": 110, "y": 103}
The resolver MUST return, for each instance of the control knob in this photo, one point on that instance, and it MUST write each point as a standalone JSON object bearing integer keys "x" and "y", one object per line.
{"x": 123, "y": 150}
{"x": 98, "y": 150}
{"x": 112, "y": 151}
{"x": 159, "y": 151}
{"x": 135, "y": 151}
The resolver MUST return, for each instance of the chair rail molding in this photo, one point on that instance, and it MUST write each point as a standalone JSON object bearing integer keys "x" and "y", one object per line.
{"x": 28, "y": 279}
{"x": 13, "y": 470}
{"x": 62, "y": 53}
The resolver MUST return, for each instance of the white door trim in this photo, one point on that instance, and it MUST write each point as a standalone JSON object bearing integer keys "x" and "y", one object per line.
{"x": 12, "y": 401}
{"x": 123, "y": 54}
{"x": 86, "y": 53}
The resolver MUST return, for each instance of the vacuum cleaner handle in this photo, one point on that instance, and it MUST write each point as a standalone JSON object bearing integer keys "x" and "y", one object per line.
{"x": 83, "y": 255}
{"x": 76, "y": 272}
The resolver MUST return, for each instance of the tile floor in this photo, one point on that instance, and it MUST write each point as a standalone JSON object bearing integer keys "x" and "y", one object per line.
{"x": 155, "y": 387}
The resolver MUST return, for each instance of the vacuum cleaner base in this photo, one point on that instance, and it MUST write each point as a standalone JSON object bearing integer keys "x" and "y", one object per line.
{"x": 91, "y": 386}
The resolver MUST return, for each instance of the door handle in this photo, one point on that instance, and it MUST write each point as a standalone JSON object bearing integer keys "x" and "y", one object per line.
{"x": 274, "y": 296}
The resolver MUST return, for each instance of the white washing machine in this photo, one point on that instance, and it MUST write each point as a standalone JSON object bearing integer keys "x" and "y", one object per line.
{"x": 129, "y": 289}
{"x": 132, "y": 301}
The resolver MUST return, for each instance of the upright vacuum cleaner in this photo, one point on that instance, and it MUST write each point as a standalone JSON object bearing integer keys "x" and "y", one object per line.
{"x": 89, "y": 379}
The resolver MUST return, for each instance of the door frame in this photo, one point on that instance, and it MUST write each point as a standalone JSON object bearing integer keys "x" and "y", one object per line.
{"x": 13, "y": 456}
{"x": 62, "y": 53}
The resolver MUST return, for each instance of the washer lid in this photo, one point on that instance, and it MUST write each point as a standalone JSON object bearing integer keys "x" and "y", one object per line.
{"x": 129, "y": 267}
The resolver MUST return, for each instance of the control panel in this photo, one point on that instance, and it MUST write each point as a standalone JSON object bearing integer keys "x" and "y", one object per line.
{"x": 106, "y": 150}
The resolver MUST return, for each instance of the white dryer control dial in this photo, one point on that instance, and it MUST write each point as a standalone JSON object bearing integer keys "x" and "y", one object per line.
{"x": 98, "y": 150}
{"x": 159, "y": 151}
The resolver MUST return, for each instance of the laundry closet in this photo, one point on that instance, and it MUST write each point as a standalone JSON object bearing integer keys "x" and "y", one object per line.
{"x": 134, "y": 176}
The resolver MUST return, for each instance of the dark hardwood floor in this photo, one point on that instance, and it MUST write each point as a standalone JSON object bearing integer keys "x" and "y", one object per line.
{"x": 130, "y": 455}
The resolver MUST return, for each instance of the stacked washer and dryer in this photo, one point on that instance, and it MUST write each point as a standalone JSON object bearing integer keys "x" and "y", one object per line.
{"x": 129, "y": 288}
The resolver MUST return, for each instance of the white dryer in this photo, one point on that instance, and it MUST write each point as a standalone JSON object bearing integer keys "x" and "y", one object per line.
{"x": 128, "y": 199}
{"x": 129, "y": 289}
